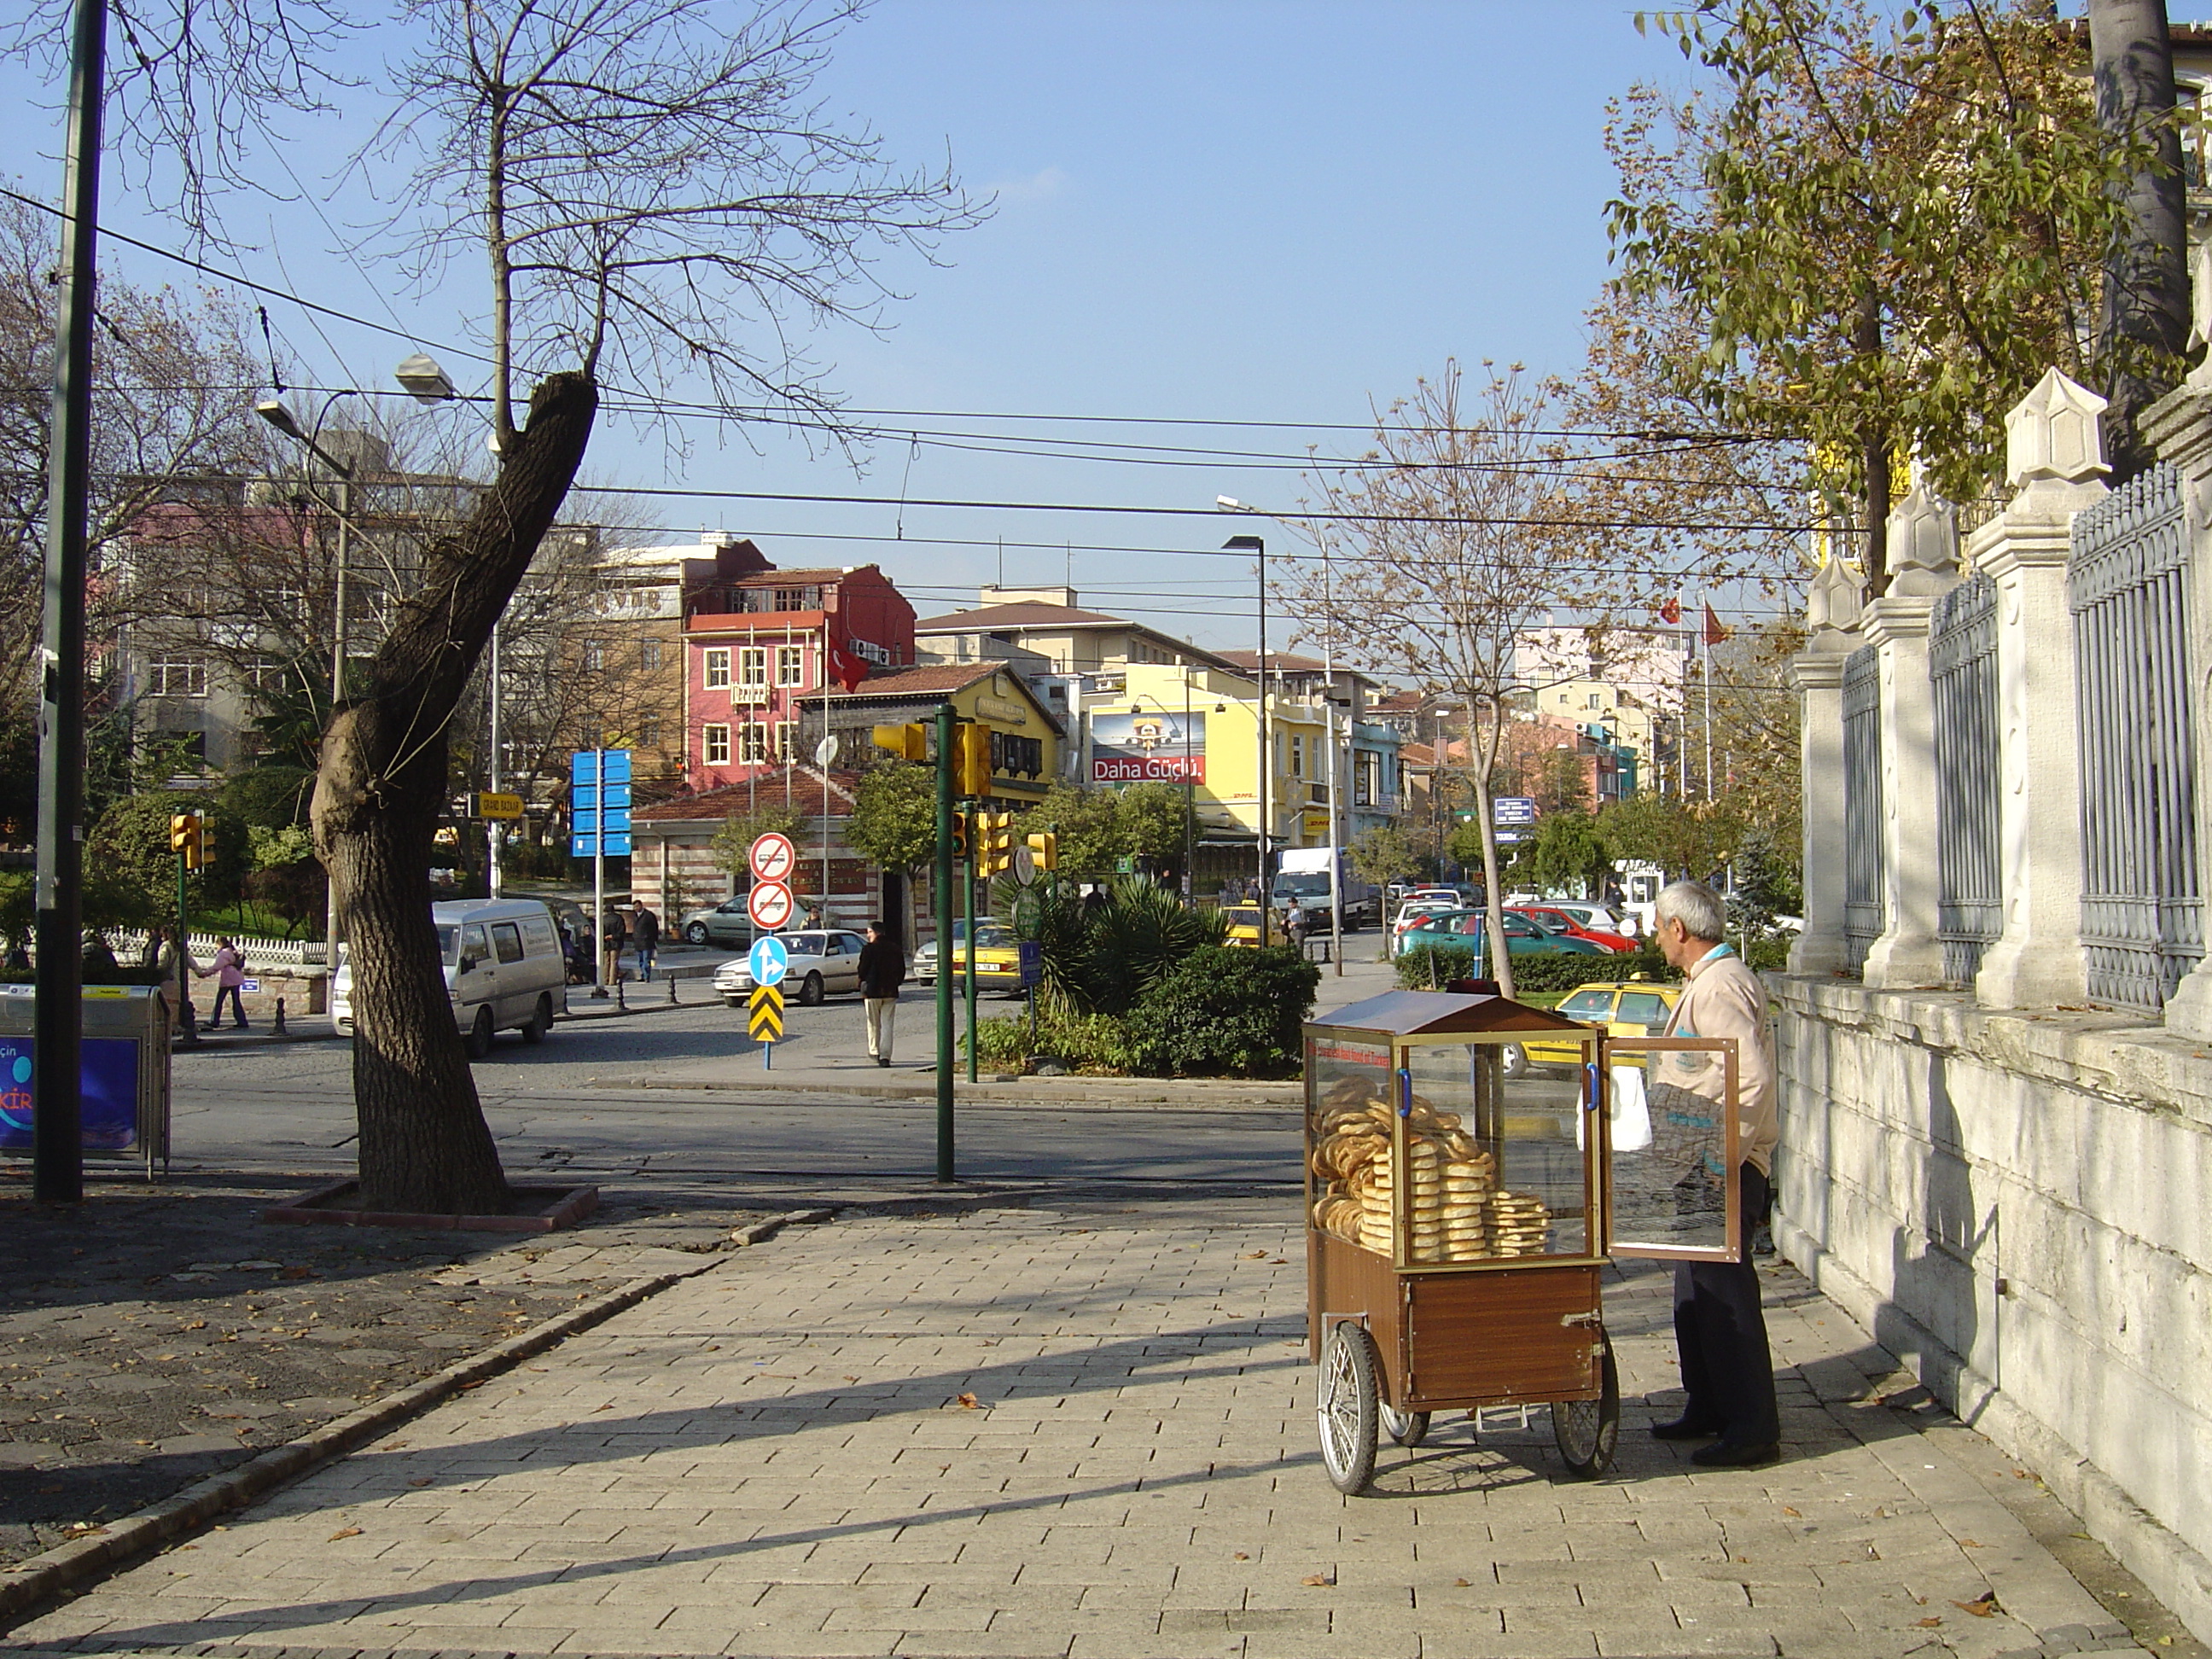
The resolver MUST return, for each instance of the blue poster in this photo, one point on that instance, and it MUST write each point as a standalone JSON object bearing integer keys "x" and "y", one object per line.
{"x": 111, "y": 1093}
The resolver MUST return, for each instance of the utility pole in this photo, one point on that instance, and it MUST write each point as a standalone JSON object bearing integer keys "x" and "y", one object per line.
{"x": 497, "y": 827}
{"x": 945, "y": 717}
{"x": 58, "y": 1105}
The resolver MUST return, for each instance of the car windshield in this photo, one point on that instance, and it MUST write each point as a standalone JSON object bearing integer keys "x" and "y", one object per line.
{"x": 1587, "y": 1004}
{"x": 1305, "y": 884}
{"x": 1644, "y": 1007}
{"x": 449, "y": 944}
{"x": 1242, "y": 916}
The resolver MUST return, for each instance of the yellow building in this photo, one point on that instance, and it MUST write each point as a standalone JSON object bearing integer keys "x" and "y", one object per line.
{"x": 1171, "y": 724}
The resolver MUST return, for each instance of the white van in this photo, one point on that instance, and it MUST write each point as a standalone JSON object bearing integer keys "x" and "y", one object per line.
{"x": 504, "y": 970}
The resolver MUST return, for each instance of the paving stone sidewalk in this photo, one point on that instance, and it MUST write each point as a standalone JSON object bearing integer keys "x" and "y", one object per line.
{"x": 1086, "y": 1431}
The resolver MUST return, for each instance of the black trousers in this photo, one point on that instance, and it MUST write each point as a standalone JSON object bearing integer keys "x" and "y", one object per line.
{"x": 1721, "y": 1335}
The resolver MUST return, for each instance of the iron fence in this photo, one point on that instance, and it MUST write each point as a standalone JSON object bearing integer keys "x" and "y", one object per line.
{"x": 1962, "y": 668}
{"x": 1862, "y": 861}
{"x": 2142, "y": 922}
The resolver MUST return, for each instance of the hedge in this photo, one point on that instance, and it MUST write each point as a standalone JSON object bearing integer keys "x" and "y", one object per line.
{"x": 1431, "y": 965}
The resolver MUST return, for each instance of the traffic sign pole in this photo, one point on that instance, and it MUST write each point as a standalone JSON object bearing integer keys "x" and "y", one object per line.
{"x": 945, "y": 735}
{"x": 600, "y": 874}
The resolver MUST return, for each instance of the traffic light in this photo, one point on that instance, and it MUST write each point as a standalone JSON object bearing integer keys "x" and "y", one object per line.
{"x": 207, "y": 844}
{"x": 971, "y": 773}
{"x": 960, "y": 837}
{"x": 1045, "y": 846}
{"x": 908, "y": 742}
{"x": 998, "y": 842}
{"x": 184, "y": 837}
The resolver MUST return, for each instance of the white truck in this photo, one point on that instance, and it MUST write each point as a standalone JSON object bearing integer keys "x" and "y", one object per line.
{"x": 1302, "y": 874}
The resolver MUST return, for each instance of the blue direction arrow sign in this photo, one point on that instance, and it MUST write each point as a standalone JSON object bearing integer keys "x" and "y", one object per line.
{"x": 769, "y": 960}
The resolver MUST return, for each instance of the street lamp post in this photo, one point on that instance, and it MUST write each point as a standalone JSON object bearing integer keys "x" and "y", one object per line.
{"x": 1258, "y": 547}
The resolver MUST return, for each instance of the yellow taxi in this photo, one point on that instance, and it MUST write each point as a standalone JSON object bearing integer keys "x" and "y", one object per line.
{"x": 997, "y": 958}
{"x": 1242, "y": 923}
{"x": 1622, "y": 1008}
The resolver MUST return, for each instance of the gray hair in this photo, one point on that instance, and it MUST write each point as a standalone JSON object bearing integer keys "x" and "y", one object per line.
{"x": 1699, "y": 910}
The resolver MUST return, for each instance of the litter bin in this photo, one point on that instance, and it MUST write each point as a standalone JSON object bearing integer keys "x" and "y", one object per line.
{"x": 126, "y": 1071}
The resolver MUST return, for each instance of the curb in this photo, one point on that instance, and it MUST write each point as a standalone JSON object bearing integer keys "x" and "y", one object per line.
{"x": 1010, "y": 1093}
{"x": 31, "y": 1582}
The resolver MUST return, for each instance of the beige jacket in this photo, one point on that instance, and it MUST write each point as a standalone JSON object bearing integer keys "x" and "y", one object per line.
{"x": 1724, "y": 998}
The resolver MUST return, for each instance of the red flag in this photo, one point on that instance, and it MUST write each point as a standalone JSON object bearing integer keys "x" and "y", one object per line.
{"x": 847, "y": 668}
{"x": 1714, "y": 632}
{"x": 1671, "y": 611}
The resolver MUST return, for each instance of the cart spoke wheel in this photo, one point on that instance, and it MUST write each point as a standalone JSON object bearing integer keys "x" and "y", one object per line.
{"x": 1350, "y": 1408}
{"x": 1408, "y": 1429}
{"x": 1588, "y": 1430}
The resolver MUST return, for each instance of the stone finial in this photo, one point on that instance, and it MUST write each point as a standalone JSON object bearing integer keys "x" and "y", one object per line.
{"x": 1833, "y": 599}
{"x": 1923, "y": 544}
{"x": 2054, "y": 432}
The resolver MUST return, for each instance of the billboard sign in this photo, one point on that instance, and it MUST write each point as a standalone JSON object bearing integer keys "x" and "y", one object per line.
{"x": 1153, "y": 746}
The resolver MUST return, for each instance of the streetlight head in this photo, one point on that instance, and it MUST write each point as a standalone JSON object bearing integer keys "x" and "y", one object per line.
{"x": 272, "y": 410}
{"x": 1244, "y": 544}
{"x": 423, "y": 380}
{"x": 1231, "y": 504}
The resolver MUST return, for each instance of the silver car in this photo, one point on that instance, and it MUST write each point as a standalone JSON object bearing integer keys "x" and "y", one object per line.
{"x": 725, "y": 924}
{"x": 821, "y": 962}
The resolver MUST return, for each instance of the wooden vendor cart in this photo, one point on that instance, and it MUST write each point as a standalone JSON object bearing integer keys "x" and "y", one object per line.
{"x": 1462, "y": 1202}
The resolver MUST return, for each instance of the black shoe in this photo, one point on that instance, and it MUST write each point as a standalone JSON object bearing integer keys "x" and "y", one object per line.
{"x": 1684, "y": 1428}
{"x": 1736, "y": 1453}
{"x": 883, "y": 1060}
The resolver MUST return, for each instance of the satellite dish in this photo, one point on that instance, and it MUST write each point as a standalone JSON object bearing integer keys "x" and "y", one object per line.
{"x": 825, "y": 752}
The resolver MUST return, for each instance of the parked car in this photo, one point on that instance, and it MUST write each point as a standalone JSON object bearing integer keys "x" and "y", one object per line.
{"x": 1414, "y": 909}
{"x": 821, "y": 964}
{"x": 1566, "y": 921}
{"x": 997, "y": 958}
{"x": 1625, "y": 1008}
{"x": 725, "y": 924}
{"x": 1524, "y": 935}
{"x": 1598, "y": 918}
{"x": 503, "y": 966}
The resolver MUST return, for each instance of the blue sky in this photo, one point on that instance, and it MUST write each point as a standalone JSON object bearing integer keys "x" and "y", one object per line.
{"x": 1208, "y": 209}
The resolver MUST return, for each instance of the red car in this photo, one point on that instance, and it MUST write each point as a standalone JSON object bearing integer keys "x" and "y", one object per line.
{"x": 1561, "y": 921}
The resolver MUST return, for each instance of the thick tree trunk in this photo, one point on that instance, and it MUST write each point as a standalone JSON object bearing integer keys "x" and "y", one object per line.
{"x": 2144, "y": 329}
{"x": 381, "y": 788}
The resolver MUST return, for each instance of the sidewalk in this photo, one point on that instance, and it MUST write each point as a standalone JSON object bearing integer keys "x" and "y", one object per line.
{"x": 1087, "y": 1432}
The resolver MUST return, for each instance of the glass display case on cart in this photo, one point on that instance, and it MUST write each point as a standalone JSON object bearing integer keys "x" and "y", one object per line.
{"x": 1462, "y": 1203}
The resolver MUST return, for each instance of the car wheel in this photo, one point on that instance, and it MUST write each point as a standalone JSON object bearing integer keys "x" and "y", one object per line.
{"x": 541, "y": 1021}
{"x": 1513, "y": 1059}
{"x": 696, "y": 932}
{"x": 810, "y": 991}
{"x": 734, "y": 1002}
{"x": 479, "y": 1038}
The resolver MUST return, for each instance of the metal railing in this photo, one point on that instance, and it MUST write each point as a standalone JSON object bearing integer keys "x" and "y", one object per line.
{"x": 1863, "y": 903}
{"x": 1962, "y": 669}
{"x": 2142, "y": 922}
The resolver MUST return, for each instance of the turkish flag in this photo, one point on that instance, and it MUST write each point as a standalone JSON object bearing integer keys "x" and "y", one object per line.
{"x": 847, "y": 668}
{"x": 1671, "y": 611}
{"x": 1714, "y": 632}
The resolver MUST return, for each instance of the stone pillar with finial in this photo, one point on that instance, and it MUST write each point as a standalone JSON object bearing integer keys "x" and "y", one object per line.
{"x": 1832, "y": 602}
{"x": 1924, "y": 565}
{"x": 2055, "y": 463}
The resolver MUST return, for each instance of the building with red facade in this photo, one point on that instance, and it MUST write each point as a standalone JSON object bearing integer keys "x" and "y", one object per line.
{"x": 762, "y": 646}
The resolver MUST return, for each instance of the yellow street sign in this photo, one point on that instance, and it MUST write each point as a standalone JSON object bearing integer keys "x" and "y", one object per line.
{"x": 764, "y": 1014}
{"x": 484, "y": 804}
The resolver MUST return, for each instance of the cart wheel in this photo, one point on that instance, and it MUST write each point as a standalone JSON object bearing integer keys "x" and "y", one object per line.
{"x": 1588, "y": 1430}
{"x": 1350, "y": 1408}
{"x": 1408, "y": 1429}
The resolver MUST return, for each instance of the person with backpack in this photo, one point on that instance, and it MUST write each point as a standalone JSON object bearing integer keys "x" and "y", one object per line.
{"x": 228, "y": 971}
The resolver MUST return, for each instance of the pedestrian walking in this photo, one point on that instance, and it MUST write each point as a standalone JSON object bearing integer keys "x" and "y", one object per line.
{"x": 883, "y": 970}
{"x": 1720, "y": 1330}
{"x": 173, "y": 963}
{"x": 1295, "y": 927}
{"x": 613, "y": 934}
{"x": 100, "y": 965}
{"x": 228, "y": 971}
{"x": 645, "y": 930}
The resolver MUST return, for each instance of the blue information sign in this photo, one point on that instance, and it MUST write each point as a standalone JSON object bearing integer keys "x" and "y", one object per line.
{"x": 1031, "y": 956}
{"x": 599, "y": 803}
{"x": 770, "y": 960}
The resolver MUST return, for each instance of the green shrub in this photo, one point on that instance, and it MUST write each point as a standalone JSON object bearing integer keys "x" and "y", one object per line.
{"x": 1227, "y": 1013}
{"x": 1426, "y": 967}
{"x": 1082, "y": 1042}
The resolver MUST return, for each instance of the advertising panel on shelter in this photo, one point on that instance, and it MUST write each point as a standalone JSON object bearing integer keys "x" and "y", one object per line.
{"x": 1155, "y": 746}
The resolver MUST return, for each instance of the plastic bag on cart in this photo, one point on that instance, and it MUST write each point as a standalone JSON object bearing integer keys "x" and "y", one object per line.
{"x": 1628, "y": 1114}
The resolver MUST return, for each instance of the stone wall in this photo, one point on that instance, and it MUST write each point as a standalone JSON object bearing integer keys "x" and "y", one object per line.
{"x": 2020, "y": 1205}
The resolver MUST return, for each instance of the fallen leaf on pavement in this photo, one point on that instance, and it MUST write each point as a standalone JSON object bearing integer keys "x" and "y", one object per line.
{"x": 1983, "y": 1606}
{"x": 1970, "y": 1543}
{"x": 1929, "y": 1623}
{"x": 969, "y": 1402}
{"x": 1786, "y": 1510}
{"x": 1317, "y": 1580}
{"x": 299, "y": 1272}
{"x": 1240, "y": 1556}
{"x": 344, "y": 1532}
{"x": 1254, "y": 1255}
{"x": 422, "y": 1481}
{"x": 1462, "y": 1584}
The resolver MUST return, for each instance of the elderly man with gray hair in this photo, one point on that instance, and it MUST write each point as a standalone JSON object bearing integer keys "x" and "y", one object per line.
{"x": 1720, "y": 1331}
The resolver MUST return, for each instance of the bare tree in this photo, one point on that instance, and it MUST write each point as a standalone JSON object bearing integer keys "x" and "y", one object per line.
{"x": 1453, "y": 546}
{"x": 650, "y": 186}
